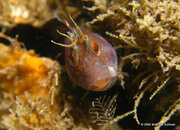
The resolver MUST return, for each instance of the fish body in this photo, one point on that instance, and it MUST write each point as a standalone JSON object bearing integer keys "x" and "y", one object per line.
{"x": 94, "y": 65}
{"x": 90, "y": 61}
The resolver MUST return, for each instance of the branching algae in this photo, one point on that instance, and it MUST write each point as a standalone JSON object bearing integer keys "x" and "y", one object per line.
{"x": 148, "y": 32}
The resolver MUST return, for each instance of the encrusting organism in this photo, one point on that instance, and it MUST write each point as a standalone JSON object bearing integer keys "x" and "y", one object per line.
{"x": 91, "y": 62}
{"x": 29, "y": 87}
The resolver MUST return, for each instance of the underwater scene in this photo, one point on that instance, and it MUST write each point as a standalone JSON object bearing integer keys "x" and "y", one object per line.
{"x": 90, "y": 64}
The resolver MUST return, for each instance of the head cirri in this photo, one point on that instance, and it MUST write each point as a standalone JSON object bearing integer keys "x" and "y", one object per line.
{"x": 91, "y": 62}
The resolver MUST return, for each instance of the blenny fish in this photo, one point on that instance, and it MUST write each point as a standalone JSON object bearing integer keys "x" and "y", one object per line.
{"x": 90, "y": 61}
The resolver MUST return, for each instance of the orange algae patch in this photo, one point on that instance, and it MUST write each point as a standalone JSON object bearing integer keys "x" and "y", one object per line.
{"x": 30, "y": 80}
{"x": 22, "y": 70}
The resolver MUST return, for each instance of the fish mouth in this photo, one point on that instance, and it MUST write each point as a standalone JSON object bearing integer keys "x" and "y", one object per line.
{"x": 102, "y": 85}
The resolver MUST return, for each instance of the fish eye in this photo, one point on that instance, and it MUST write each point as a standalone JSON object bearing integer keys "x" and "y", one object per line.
{"x": 74, "y": 57}
{"x": 95, "y": 47}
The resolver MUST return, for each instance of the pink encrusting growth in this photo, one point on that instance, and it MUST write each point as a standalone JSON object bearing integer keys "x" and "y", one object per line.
{"x": 91, "y": 62}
